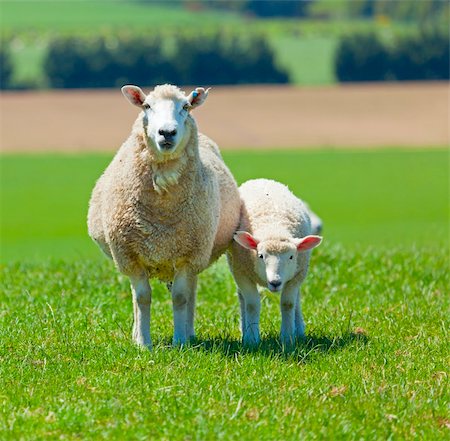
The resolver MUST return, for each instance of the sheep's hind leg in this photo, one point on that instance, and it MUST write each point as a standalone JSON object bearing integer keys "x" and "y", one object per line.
{"x": 183, "y": 292}
{"x": 190, "y": 332}
{"x": 142, "y": 299}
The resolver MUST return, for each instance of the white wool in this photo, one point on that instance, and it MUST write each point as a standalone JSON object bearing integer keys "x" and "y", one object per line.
{"x": 164, "y": 215}
{"x": 277, "y": 220}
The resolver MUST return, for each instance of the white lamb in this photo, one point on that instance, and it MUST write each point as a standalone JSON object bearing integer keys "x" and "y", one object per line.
{"x": 166, "y": 206}
{"x": 271, "y": 249}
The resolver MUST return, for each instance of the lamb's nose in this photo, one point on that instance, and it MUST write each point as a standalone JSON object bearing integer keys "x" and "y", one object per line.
{"x": 167, "y": 133}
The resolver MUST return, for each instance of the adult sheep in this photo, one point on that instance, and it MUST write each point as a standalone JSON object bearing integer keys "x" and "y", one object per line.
{"x": 271, "y": 249}
{"x": 166, "y": 206}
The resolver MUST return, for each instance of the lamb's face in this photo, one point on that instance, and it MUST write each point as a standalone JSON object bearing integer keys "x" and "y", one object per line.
{"x": 276, "y": 259}
{"x": 276, "y": 263}
{"x": 167, "y": 121}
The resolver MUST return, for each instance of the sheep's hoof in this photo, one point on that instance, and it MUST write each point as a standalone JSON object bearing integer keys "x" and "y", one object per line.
{"x": 179, "y": 342}
{"x": 288, "y": 342}
{"x": 145, "y": 346}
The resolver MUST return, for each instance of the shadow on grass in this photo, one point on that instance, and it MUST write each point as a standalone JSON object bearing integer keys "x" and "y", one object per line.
{"x": 302, "y": 352}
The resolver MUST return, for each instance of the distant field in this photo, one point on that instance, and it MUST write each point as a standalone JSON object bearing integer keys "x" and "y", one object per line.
{"x": 304, "y": 48}
{"x": 379, "y": 198}
{"x": 91, "y": 16}
{"x": 346, "y": 116}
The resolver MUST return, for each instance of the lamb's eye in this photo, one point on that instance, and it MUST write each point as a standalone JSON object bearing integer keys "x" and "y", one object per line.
{"x": 186, "y": 107}
{"x": 260, "y": 256}
{"x": 291, "y": 257}
{"x": 146, "y": 106}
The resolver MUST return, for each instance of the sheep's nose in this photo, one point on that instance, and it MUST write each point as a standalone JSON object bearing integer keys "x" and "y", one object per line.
{"x": 275, "y": 284}
{"x": 167, "y": 133}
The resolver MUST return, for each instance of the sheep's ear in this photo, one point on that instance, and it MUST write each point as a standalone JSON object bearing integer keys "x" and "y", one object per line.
{"x": 308, "y": 242}
{"x": 198, "y": 96}
{"x": 134, "y": 95}
{"x": 246, "y": 240}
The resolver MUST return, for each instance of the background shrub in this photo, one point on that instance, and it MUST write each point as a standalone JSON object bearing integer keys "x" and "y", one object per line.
{"x": 198, "y": 59}
{"x": 222, "y": 59}
{"x": 6, "y": 66}
{"x": 361, "y": 57}
{"x": 365, "y": 57}
{"x": 106, "y": 62}
{"x": 421, "y": 57}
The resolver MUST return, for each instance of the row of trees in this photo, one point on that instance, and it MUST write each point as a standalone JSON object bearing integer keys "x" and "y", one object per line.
{"x": 76, "y": 62}
{"x": 365, "y": 57}
{"x": 183, "y": 59}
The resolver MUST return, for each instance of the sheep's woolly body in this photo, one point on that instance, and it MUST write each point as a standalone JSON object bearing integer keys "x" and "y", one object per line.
{"x": 157, "y": 214}
{"x": 273, "y": 215}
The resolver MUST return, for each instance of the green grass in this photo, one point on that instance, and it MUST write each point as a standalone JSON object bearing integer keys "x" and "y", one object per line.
{"x": 373, "y": 365}
{"x": 93, "y": 15}
{"x": 380, "y": 198}
{"x": 376, "y": 305}
{"x": 308, "y": 59}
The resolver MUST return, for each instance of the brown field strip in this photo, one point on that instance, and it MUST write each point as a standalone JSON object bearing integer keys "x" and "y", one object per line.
{"x": 402, "y": 115}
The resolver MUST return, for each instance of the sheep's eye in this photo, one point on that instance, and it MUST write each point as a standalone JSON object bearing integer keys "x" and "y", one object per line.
{"x": 261, "y": 256}
{"x": 291, "y": 257}
{"x": 186, "y": 107}
{"x": 146, "y": 106}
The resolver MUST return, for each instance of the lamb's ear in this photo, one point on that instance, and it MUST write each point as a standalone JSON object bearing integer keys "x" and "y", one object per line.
{"x": 246, "y": 240}
{"x": 308, "y": 242}
{"x": 134, "y": 95}
{"x": 198, "y": 96}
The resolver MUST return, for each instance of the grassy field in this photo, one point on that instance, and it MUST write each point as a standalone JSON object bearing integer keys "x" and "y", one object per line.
{"x": 378, "y": 198}
{"x": 376, "y": 305}
{"x": 86, "y": 16}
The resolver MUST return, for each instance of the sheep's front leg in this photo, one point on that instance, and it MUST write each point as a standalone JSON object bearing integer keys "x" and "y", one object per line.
{"x": 142, "y": 299}
{"x": 299, "y": 323}
{"x": 288, "y": 305}
{"x": 183, "y": 304}
{"x": 250, "y": 302}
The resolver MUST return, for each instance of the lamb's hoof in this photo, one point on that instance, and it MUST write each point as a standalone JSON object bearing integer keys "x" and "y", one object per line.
{"x": 300, "y": 338}
{"x": 251, "y": 342}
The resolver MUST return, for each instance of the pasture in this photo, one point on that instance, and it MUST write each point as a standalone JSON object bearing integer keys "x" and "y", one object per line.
{"x": 374, "y": 364}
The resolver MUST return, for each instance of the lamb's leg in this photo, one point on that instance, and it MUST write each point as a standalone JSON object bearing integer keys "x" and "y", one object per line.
{"x": 250, "y": 310}
{"x": 183, "y": 291}
{"x": 288, "y": 303}
{"x": 242, "y": 306}
{"x": 142, "y": 299}
{"x": 299, "y": 323}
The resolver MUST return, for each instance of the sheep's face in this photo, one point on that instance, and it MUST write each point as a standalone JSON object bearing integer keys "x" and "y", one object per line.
{"x": 167, "y": 121}
{"x": 275, "y": 259}
{"x": 165, "y": 124}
